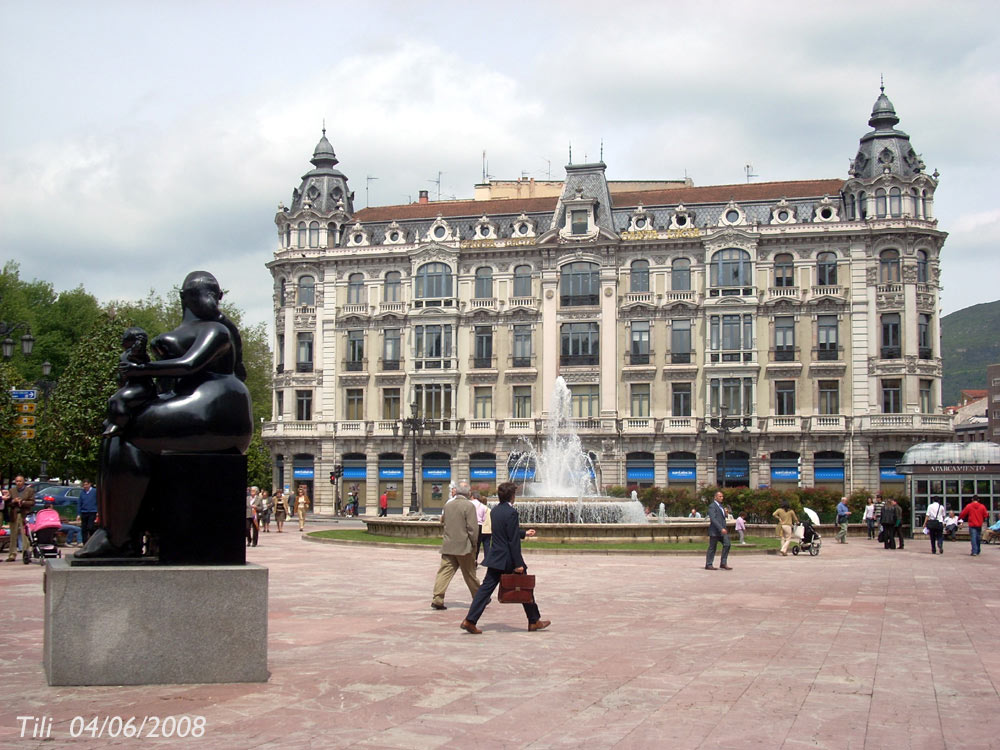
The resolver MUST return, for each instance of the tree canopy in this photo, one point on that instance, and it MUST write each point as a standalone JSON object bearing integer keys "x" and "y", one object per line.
{"x": 82, "y": 340}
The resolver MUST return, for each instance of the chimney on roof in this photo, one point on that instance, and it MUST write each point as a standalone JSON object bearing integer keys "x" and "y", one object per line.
{"x": 423, "y": 198}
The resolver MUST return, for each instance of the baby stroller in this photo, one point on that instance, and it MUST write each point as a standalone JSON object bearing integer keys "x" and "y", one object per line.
{"x": 805, "y": 538}
{"x": 42, "y": 528}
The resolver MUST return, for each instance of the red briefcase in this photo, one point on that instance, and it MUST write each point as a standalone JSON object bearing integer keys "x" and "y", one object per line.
{"x": 517, "y": 588}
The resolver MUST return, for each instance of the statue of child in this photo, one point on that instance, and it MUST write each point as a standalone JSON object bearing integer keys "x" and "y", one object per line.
{"x": 133, "y": 392}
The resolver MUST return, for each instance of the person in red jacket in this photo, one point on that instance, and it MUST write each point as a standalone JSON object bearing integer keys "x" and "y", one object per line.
{"x": 974, "y": 514}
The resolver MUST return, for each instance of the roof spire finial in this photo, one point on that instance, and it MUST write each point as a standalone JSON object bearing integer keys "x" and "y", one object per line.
{"x": 324, "y": 126}
{"x": 571, "y": 152}
{"x": 602, "y": 149}
{"x": 882, "y": 82}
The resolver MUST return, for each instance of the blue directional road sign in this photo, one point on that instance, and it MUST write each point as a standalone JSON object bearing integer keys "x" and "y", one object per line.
{"x": 27, "y": 395}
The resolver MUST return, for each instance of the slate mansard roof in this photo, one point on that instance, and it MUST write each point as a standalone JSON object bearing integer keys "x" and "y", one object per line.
{"x": 706, "y": 203}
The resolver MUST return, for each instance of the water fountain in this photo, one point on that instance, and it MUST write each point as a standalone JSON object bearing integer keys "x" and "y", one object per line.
{"x": 560, "y": 498}
{"x": 563, "y": 486}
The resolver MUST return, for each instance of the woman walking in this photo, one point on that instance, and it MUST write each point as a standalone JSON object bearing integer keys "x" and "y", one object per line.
{"x": 301, "y": 503}
{"x": 267, "y": 507}
{"x": 786, "y": 520}
{"x": 934, "y": 523}
{"x": 280, "y": 509}
{"x": 870, "y": 517}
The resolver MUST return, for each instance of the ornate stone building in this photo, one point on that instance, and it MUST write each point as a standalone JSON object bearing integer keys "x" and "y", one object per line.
{"x": 769, "y": 334}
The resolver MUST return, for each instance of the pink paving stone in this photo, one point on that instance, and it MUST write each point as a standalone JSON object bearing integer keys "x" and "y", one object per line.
{"x": 858, "y": 647}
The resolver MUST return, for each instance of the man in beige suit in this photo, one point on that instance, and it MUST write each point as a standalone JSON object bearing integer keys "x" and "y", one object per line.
{"x": 458, "y": 548}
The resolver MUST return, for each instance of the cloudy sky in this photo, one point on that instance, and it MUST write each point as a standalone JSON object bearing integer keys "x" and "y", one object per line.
{"x": 139, "y": 141}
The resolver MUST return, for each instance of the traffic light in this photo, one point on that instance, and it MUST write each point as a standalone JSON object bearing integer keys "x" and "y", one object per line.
{"x": 337, "y": 473}
{"x": 333, "y": 477}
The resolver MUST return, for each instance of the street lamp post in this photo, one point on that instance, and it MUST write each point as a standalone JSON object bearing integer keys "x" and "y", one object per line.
{"x": 724, "y": 425}
{"x": 414, "y": 424}
{"x": 7, "y": 343}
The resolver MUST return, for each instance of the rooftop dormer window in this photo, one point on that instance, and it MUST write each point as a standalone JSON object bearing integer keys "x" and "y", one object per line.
{"x": 579, "y": 221}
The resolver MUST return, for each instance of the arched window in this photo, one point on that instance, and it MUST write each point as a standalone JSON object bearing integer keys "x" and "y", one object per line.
{"x": 680, "y": 275}
{"x": 301, "y": 240}
{"x": 895, "y": 202}
{"x": 392, "y": 291}
{"x": 355, "y": 289}
{"x": 826, "y": 269}
{"x": 579, "y": 284}
{"x": 888, "y": 267}
{"x": 784, "y": 270}
{"x": 434, "y": 285}
{"x": 522, "y": 281}
{"x": 307, "y": 291}
{"x": 862, "y": 205}
{"x": 915, "y": 203}
{"x": 484, "y": 283}
{"x": 332, "y": 235}
{"x": 639, "y": 276}
{"x": 314, "y": 234}
{"x": 851, "y": 207}
{"x": 922, "y": 266}
{"x": 924, "y": 205}
{"x": 731, "y": 268}
{"x": 880, "y": 203}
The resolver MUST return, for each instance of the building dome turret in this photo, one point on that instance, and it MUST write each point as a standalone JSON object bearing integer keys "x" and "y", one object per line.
{"x": 883, "y": 113}
{"x": 885, "y": 150}
{"x": 324, "y": 156}
{"x": 324, "y": 188}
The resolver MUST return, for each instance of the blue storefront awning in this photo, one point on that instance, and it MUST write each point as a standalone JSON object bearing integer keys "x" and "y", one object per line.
{"x": 355, "y": 472}
{"x": 784, "y": 474}
{"x": 888, "y": 474}
{"x": 302, "y": 473}
{"x": 390, "y": 472}
{"x": 640, "y": 473}
{"x": 482, "y": 472}
{"x": 682, "y": 473}
{"x": 830, "y": 473}
{"x": 735, "y": 472}
{"x": 521, "y": 474}
{"x": 437, "y": 472}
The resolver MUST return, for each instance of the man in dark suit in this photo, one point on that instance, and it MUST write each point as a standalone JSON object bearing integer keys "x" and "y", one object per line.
{"x": 890, "y": 514}
{"x": 717, "y": 532}
{"x": 458, "y": 547}
{"x": 504, "y": 556}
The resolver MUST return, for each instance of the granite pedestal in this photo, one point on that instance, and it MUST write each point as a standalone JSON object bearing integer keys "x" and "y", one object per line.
{"x": 148, "y": 625}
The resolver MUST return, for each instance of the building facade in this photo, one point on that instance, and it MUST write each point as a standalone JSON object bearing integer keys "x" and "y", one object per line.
{"x": 763, "y": 334}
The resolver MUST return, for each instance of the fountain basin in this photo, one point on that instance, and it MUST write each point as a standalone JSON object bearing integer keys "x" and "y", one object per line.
{"x": 670, "y": 530}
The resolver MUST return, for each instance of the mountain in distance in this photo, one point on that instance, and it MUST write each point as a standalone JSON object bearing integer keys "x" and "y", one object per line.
{"x": 970, "y": 340}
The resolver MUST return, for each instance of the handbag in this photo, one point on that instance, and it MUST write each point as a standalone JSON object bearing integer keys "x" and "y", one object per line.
{"x": 881, "y": 535}
{"x": 516, "y": 588}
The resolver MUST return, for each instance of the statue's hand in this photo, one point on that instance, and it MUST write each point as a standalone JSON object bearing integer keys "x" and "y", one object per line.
{"x": 127, "y": 369}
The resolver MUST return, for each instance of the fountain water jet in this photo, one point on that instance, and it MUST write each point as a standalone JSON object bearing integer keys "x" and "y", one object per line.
{"x": 563, "y": 486}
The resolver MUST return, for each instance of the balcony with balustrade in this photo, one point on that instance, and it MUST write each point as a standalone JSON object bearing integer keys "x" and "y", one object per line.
{"x": 355, "y": 309}
{"x": 680, "y": 425}
{"x": 484, "y": 303}
{"x": 941, "y": 423}
{"x": 522, "y": 302}
{"x": 828, "y": 423}
{"x": 784, "y": 292}
{"x": 781, "y": 423}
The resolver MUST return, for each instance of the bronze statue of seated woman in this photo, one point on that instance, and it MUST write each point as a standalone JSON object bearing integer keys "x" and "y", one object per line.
{"x": 206, "y": 411}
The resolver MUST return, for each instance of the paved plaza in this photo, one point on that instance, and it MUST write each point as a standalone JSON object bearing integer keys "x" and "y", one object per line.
{"x": 859, "y": 647}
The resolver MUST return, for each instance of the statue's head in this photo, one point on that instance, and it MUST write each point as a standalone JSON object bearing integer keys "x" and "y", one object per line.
{"x": 134, "y": 337}
{"x": 201, "y": 294}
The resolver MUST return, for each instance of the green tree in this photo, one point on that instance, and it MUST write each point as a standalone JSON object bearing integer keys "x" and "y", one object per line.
{"x": 71, "y": 421}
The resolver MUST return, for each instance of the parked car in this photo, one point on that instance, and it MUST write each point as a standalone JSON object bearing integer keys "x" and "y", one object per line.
{"x": 62, "y": 496}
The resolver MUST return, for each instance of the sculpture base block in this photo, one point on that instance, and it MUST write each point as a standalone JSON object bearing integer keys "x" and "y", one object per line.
{"x": 154, "y": 625}
{"x": 199, "y": 501}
